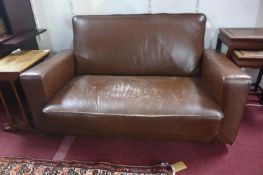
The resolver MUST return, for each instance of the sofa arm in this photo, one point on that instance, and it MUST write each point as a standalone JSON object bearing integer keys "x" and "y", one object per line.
{"x": 229, "y": 86}
{"x": 42, "y": 82}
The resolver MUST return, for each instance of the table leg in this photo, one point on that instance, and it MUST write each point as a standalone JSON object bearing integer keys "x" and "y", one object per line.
{"x": 256, "y": 85}
{"x": 219, "y": 45}
{"x": 229, "y": 53}
{"x": 10, "y": 119}
{"x": 21, "y": 125}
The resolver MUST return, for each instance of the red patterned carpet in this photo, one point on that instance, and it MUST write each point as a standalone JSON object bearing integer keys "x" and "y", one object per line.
{"x": 23, "y": 166}
{"x": 244, "y": 157}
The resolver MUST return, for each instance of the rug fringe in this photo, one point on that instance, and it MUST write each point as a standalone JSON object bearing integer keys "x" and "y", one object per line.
{"x": 171, "y": 169}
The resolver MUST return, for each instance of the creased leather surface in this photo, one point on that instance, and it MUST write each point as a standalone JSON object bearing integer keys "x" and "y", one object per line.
{"x": 229, "y": 86}
{"x": 158, "y": 44}
{"x": 181, "y": 106}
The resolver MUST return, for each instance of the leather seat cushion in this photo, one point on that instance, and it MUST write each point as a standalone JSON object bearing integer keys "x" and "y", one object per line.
{"x": 135, "y": 106}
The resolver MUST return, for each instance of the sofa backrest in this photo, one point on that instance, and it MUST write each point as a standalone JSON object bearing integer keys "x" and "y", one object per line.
{"x": 159, "y": 44}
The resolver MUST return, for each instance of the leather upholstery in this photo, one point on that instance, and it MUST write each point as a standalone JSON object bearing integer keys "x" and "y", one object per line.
{"x": 42, "y": 82}
{"x": 149, "y": 103}
{"x": 139, "y": 44}
{"x": 229, "y": 86}
{"x": 97, "y": 90}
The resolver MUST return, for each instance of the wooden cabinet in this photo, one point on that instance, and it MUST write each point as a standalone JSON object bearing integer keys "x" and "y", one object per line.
{"x": 20, "y": 25}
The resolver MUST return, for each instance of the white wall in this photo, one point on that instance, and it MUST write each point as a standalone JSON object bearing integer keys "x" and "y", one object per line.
{"x": 41, "y": 21}
{"x": 104, "y": 7}
{"x": 228, "y": 13}
{"x": 258, "y": 24}
{"x": 55, "y": 15}
{"x": 260, "y": 15}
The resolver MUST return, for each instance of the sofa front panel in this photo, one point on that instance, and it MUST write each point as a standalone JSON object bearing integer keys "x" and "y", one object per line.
{"x": 158, "y": 44}
{"x": 131, "y": 127}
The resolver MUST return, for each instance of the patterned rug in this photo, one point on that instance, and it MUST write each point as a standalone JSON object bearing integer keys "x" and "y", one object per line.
{"x": 23, "y": 166}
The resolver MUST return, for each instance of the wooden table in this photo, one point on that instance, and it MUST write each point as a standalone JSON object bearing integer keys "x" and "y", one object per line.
{"x": 245, "y": 49}
{"x": 248, "y": 59}
{"x": 11, "y": 67}
{"x": 254, "y": 60}
{"x": 240, "y": 39}
{"x": 5, "y": 107}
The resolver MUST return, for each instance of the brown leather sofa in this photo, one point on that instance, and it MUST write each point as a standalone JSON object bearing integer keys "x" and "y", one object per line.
{"x": 138, "y": 76}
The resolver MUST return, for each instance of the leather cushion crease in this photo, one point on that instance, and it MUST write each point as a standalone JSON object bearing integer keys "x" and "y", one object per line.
{"x": 138, "y": 76}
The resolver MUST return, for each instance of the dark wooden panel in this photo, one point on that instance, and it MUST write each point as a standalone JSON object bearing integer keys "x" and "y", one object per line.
{"x": 22, "y": 38}
{"x": 20, "y": 22}
{"x": 19, "y": 15}
{"x": 5, "y": 37}
{"x": 4, "y": 16}
{"x": 19, "y": 18}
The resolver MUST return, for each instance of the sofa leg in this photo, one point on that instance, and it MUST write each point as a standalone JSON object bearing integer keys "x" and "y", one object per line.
{"x": 41, "y": 134}
{"x": 213, "y": 140}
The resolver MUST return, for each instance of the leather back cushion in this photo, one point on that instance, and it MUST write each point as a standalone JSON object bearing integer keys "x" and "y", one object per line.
{"x": 159, "y": 44}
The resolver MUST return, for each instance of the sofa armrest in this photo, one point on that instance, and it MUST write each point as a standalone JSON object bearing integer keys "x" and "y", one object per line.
{"x": 229, "y": 86}
{"x": 42, "y": 82}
